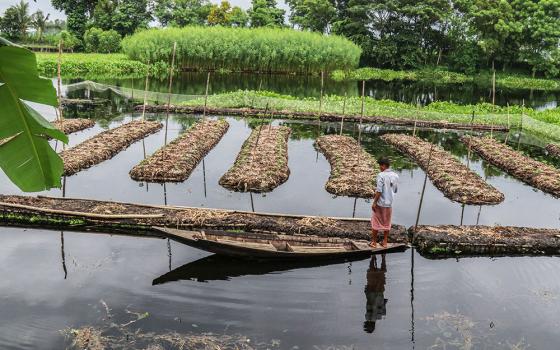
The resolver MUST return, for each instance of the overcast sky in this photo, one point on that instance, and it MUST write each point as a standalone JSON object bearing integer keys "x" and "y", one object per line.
{"x": 46, "y": 7}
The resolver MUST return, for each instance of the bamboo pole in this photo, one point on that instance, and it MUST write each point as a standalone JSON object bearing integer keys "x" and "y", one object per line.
{"x": 206, "y": 96}
{"x": 145, "y": 96}
{"x": 320, "y": 104}
{"x": 343, "y": 112}
{"x": 423, "y": 187}
{"x": 361, "y": 112}
{"x": 416, "y": 117}
{"x": 171, "y": 71}
{"x": 59, "y": 116}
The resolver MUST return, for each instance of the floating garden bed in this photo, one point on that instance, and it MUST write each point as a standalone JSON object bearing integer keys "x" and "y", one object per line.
{"x": 135, "y": 219}
{"x": 449, "y": 240}
{"x": 329, "y": 117}
{"x": 105, "y": 145}
{"x": 84, "y": 102}
{"x": 537, "y": 174}
{"x": 176, "y": 161}
{"x": 353, "y": 170}
{"x": 69, "y": 126}
{"x": 262, "y": 163}
{"x": 553, "y": 150}
{"x": 455, "y": 180}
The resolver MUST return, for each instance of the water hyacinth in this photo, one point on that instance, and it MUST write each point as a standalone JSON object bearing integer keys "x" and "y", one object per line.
{"x": 244, "y": 49}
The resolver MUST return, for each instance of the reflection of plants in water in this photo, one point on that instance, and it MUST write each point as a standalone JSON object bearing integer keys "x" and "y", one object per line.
{"x": 114, "y": 335}
{"x": 457, "y": 331}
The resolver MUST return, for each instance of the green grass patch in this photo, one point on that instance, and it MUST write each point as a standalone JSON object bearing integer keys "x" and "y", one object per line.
{"x": 92, "y": 65}
{"x": 442, "y": 76}
{"x": 546, "y": 123}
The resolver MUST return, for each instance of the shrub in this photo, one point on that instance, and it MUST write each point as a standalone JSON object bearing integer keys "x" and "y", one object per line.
{"x": 241, "y": 49}
{"x": 102, "y": 41}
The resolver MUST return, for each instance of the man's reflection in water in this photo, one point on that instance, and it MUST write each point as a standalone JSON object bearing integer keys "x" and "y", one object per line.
{"x": 375, "y": 288}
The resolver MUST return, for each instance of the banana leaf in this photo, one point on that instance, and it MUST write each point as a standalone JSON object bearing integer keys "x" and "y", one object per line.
{"x": 25, "y": 154}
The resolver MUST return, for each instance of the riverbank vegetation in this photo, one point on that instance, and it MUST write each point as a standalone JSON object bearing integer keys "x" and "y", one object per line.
{"x": 442, "y": 76}
{"x": 545, "y": 123}
{"x": 244, "y": 49}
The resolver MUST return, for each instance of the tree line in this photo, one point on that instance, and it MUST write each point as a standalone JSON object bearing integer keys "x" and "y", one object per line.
{"x": 462, "y": 35}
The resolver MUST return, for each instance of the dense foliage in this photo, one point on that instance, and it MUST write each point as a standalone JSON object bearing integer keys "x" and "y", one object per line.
{"x": 102, "y": 41}
{"x": 84, "y": 66}
{"x": 241, "y": 49}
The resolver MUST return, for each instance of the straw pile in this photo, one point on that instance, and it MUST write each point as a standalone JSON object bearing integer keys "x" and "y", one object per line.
{"x": 455, "y": 180}
{"x": 553, "y": 150}
{"x": 448, "y": 240}
{"x": 537, "y": 174}
{"x": 105, "y": 145}
{"x": 69, "y": 126}
{"x": 262, "y": 163}
{"x": 177, "y": 160}
{"x": 353, "y": 170}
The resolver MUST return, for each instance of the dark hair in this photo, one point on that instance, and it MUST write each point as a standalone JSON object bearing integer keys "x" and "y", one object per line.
{"x": 384, "y": 161}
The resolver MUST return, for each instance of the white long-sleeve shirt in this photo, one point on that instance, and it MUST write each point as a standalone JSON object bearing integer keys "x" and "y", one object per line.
{"x": 387, "y": 185}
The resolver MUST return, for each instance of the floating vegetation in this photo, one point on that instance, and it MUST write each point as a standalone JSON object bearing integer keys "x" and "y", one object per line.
{"x": 89, "y": 65}
{"x": 177, "y": 160}
{"x": 132, "y": 219}
{"x": 105, "y": 145}
{"x": 553, "y": 150}
{"x": 455, "y": 180}
{"x": 537, "y": 174}
{"x": 82, "y": 102}
{"x": 450, "y": 240}
{"x": 262, "y": 163}
{"x": 353, "y": 169}
{"x": 69, "y": 126}
{"x": 262, "y": 49}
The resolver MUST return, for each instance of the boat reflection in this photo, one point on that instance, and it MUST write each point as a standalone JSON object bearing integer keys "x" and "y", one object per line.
{"x": 218, "y": 267}
{"x": 375, "y": 293}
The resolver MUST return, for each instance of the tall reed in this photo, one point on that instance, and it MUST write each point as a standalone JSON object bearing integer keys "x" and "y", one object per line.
{"x": 244, "y": 49}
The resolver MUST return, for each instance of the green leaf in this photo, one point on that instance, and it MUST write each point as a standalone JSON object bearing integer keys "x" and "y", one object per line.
{"x": 25, "y": 154}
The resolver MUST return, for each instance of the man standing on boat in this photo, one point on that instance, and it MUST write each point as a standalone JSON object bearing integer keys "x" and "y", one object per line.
{"x": 387, "y": 186}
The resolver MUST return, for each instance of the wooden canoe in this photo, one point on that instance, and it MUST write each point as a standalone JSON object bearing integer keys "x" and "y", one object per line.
{"x": 254, "y": 245}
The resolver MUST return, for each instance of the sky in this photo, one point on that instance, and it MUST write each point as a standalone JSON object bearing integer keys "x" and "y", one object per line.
{"x": 46, "y": 7}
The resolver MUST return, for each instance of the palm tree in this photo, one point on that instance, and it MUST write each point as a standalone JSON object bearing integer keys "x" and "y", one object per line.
{"x": 39, "y": 22}
{"x": 23, "y": 20}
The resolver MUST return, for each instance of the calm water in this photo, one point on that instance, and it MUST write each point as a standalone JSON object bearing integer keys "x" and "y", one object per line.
{"x": 475, "y": 303}
{"x": 310, "y": 86}
{"x": 53, "y": 280}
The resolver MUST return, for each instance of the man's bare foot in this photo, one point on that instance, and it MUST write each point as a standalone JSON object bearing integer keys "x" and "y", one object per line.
{"x": 384, "y": 244}
{"x": 373, "y": 244}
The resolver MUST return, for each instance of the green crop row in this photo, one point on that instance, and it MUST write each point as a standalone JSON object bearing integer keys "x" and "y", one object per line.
{"x": 244, "y": 49}
{"x": 542, "y": 122}
{"x": 440, "y": 76}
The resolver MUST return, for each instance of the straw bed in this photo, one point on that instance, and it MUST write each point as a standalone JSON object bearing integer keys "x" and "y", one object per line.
{"x": 105, "y": 145}
{"x": 553, "y": 150}
{"x": 176, "y": 161}
{"x": 69, "y": 126}
{"x": 262, "y": 163}
{"x": 455, "y": 180}
{"x": 535, "y": 173}
{"x": 353, "y": 169}
{"x": 449, "y": 240}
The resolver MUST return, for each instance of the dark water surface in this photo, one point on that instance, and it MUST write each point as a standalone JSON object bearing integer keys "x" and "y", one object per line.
{"x": 52, "y": 280}
{"x": 474, "y": 303}
{"x": 310, "y": 86}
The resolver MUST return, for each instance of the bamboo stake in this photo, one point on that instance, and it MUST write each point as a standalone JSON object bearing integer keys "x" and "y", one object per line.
{"x": 343, "y": 112}
{"x": 423, "y": 187}
{"x": 320, "y": 106}
{"x": 171, "y": 70}
{"x": 206, "y": 96}
{"x": 469, "y": 143}
{"x": 362, "y": 111}
{"x": 416, "y": 117}
{"x": 145, "y": 96}
{"x": 508, "y": 124}
{"x": 59, "y": 115}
